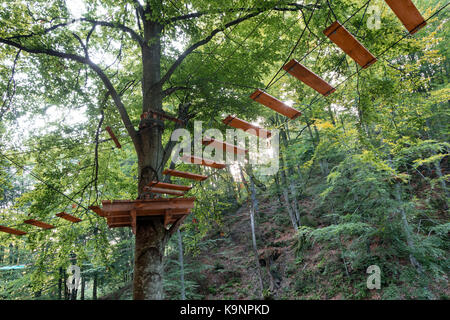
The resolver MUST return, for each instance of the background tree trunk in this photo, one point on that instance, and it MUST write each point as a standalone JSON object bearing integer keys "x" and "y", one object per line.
{"x": 83, "y": 286}
{"x": 94, "y": 288}
{"x": 180, "y": 258}
{"x": 60, "y": 283}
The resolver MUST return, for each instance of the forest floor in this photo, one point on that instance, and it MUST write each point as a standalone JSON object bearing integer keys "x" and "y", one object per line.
{"x": 233, "y": 271}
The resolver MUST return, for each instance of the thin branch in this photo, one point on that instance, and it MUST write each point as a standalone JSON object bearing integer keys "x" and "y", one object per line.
{"x": 295, "y": 7}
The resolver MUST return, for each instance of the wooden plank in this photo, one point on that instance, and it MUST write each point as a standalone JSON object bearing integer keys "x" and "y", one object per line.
{"x": 68, "y": 217}
{"x": 98, "y": 211}
{"x": 163, "y": 185}
{"x": 166, "y": 191}
{"x": 349, "y": 44}
{"x": 113, "y": 137}
{"x": 246, "y": 126}
{"x": 308, "y": 77}
{"x": 39, "y": 224}
{"x": 186, "y": 175}
{"x": 147, "y": 212}
{"x": 12, "y": 231}
{"x": 226, "y": 147}
{"x": 408, "y": 14}
{"x": 275, "y": 104}
{"x": 203, "y": 162}
{"x": 148, "y": 205}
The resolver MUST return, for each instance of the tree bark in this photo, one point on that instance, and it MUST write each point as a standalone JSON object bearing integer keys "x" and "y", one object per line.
{"x": 94, "y": 288}
{"x": 151, "y": 237}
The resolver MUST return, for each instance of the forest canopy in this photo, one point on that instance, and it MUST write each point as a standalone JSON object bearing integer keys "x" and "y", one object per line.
{"x": 92, "y": 91}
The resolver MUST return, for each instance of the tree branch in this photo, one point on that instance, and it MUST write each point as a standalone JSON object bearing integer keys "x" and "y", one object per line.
{"x": 115, "y": 25}
{"x": 84, "y": 60}
{"x": 203, "y": 42}
{"x": 295, "y": 7}
{"x": 171, "y": 90}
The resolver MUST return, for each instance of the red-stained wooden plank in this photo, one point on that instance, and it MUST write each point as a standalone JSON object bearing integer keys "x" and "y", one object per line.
{"x": 98, "y": 210}
{"x": 308, "y": 77}
{"x": 349, "y": 44}
{"x": 39, "y": 224}
{"x": 113, "y": 137}
{"x": 12, "y": 231}
{"x": 68, "y": 217}
{"x": 186, "y": 175}
{"x": 167, "y": 217}
{"x": 203, "y": 162}
{"x": 275, "y": 104}
{"x": 246, "y": 126}
{"x": 408, "y": 14}
{"x": 226, "y": 147}
{"x": 170, "y": 186}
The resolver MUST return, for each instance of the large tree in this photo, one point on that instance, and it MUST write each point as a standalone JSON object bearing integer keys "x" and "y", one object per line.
{"x": 180, "y": 53}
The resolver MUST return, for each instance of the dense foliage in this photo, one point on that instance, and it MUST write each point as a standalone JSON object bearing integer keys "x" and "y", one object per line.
{"x": 363, "y": 172}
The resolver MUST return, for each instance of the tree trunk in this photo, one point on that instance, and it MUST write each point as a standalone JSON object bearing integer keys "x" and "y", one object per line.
{"x": 66, "y": 297}
{"x": 180, "y": 258}
{"x": 94, "y": 288}
{"x": 148, "y": 261}
{"x": 11, "y": 253}
{"x": 285, "y": 191}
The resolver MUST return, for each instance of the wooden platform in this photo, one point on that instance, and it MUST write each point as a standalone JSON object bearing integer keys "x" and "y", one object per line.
{"x": 408, "y": 14}
{"x": 68, "y": 217}
{"x": 226, "y": 147}
{"x": 349, "y": 44}
{"x": 39, "y": 224}
{"x": 246, "y": 126}
{"x": 12, "y": 231}
{"x": 186, "y": 175}
{"x": 125, "y": 213}
{"x": 275, "y": 104}
{"x": 203, "y": 162}
{"x": 308, "y": 77}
